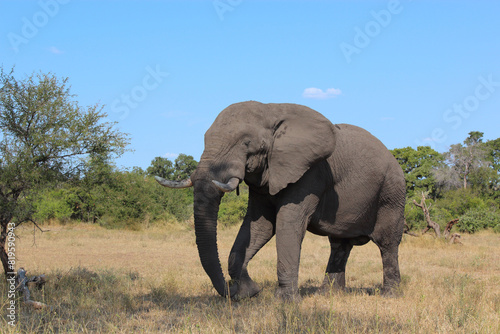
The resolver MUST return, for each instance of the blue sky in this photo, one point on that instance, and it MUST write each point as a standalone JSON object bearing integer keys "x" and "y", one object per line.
{"x": 410, "y": 72}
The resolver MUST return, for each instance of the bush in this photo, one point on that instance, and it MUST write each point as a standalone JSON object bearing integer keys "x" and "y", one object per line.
{"x": 478, "y": 219}
{"x": 496, "y": 229}
{"x": 414, "y": 216}
{"x": 53, "y": 204}
{"x": 458, "y": 202}
{"x": 133, "y": 198}
{"x": 125, "y": 200}
{"x": 233, "y": 208}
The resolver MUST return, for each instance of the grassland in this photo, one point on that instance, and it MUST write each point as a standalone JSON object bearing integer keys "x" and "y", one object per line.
{"x": 151, "y": 281}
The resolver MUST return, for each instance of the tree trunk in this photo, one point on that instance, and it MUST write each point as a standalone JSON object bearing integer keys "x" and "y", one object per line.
{"x": 447, "y": 230}
{"x": 3, "y": 252}
{"x": 407, "y": 230}
{"x": 466, "y": 173}
{"x": 430, "y": 223}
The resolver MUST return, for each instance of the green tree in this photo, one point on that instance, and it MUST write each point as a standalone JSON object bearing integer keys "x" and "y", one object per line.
{"x": 185, "y": 165}
{"x": 161, "y": 167}
{"x": 463, "y": 162}
{"x": 493, "y": 156}
{"x": 45, "y": 136}
{"x": 493, "y": 148}
{"x": 181, "y": 169}
{"x": 417, "y": 166}
{"x": 89, "y": 189}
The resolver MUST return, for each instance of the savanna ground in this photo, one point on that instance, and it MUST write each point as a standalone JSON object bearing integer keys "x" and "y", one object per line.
{"x": 151, "y": 281}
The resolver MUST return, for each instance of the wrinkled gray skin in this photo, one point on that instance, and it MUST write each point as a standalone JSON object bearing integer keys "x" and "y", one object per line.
{"x": 304, "y": 173}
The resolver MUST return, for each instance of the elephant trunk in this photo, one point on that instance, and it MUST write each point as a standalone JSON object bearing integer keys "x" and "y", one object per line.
{"x": 206, "y": 206}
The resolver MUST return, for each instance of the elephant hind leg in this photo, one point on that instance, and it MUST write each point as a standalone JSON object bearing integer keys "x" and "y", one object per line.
{"x": 387, "y": 236}
{"x": 390, "y": 265}
{"x": 335, "y": 270}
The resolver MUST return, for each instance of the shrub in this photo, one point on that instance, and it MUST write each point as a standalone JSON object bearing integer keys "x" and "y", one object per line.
{"x": 53, "y": 204}
{"x": 459, "y": 201}
{"x": 233, "y": 208}
{"x": 132, "y": 199}
{"x": 478, "y": 219}
{"x": 414, "y": 216}
{"x": 496, "y": 229}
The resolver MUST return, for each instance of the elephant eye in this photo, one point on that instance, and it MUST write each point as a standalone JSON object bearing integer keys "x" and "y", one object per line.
{"x": 246, "y": 143}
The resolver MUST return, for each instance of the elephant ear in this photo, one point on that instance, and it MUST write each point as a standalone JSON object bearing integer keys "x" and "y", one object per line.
{"x": 302, "y": 138}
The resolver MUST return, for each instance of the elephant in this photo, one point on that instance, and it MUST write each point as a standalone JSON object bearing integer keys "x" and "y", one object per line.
{"x": 304, "y": 174}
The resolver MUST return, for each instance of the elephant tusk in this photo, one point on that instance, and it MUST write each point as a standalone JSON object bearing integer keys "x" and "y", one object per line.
{"x": 174, "y": 184}
{"x": 227, "y": 187}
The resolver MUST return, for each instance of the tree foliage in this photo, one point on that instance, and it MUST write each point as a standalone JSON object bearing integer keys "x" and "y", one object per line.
{"x": 478, "y": 219}
{"x": 161, "y": 167}
{"x": 132, "y": 199}
{"x": 45, "y": 137}
{"x": 418, "y": 166}
{"x": 185, "y": 165}
{"x": 464, "y": 164}
{"x": 460, "y": 182}
{"x": 181, "y": 169}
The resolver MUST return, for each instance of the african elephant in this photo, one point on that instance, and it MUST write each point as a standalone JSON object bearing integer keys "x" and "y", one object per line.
{"x": 303, "y": 173}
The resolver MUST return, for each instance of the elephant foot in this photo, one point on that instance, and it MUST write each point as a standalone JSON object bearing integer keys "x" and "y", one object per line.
{"x": 244, "y": 288}
{"x": 288, "y": 294}
{"x": 233, "y": 290}
{"x": 391, "y": 292}
{"x": 333, "y": 282}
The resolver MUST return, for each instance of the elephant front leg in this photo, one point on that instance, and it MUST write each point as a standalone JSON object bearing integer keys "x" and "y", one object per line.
{"x": 290, "y": 230}
{"x": 253, "y": 235}
{"x": 335, "y": 270}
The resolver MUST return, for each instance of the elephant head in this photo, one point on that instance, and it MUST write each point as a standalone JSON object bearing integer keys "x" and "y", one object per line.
{"x": 267, "y": 145}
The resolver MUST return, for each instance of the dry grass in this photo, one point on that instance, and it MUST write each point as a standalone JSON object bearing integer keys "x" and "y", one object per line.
{"x": 152, "y": 281}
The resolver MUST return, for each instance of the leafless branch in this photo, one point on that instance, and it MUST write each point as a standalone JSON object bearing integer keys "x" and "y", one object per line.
{"x": 430, "y": 223}
{"x": 407, "y": 230}
{"x": 450, "y": 224}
